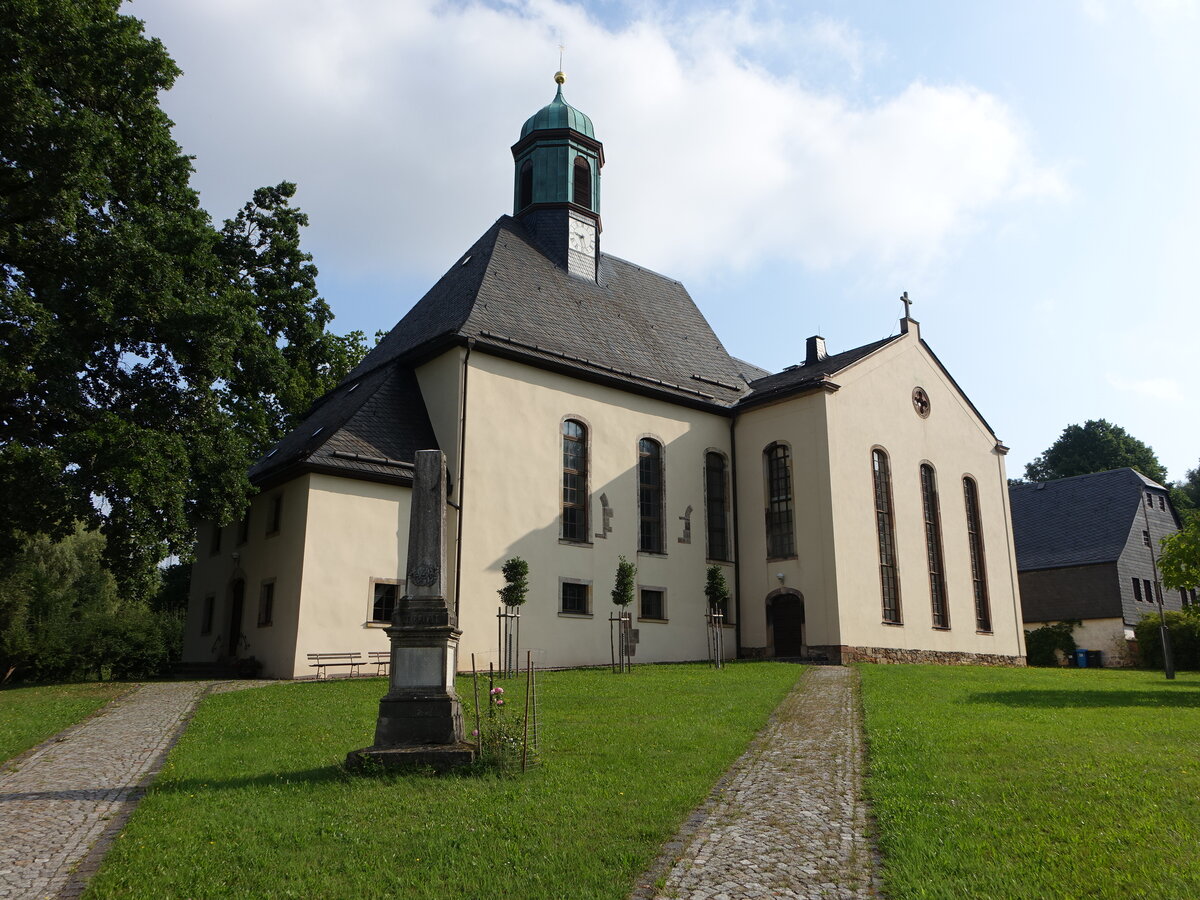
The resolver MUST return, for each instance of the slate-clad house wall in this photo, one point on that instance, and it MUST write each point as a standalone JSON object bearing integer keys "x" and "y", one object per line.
{"x": 588, "y": 411}
{"x": 1081, "y": 544}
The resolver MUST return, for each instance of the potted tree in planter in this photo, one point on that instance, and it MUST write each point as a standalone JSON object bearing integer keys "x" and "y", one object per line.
{"x": 717, "y": 593}
{"x": 622, "y": 596}
{"x": 516, "y": 586}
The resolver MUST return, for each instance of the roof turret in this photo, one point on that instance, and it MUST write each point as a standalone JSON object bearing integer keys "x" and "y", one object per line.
{"x": 558, "y": 113}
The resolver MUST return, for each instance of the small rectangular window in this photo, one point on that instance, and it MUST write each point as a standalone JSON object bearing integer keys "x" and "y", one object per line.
{"x": 1146, "y": 538}
{"x": 653, "y": 604}
{"x": 275, "y": 520}
{"x": 1137, "y": 589}
{"x": 266, "y": 604}
{"x": 206, "y": 617}
{"x": 1149, "y": 591}
{"x": 575, "y": 599}
{"x": 1162, "y": 503}
{"x": 384, "y": 593}
{"x": 1158, "y": 591}
{"x": 1149, "y": 500}
{"x": 1183, "y": 596}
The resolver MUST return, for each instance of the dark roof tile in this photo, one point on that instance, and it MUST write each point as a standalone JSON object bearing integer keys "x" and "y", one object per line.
{"x": 1075, "y": 521}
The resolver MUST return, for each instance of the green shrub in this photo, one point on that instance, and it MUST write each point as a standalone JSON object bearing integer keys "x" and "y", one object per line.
{"x": 516, "y": 581}
{"x": 1041, "y": 643}
{"x": 716, "y": 590}
{"x": 623, "y": 583}
{"x": 62, "y": 617}
{"x": 1183, "y": 629}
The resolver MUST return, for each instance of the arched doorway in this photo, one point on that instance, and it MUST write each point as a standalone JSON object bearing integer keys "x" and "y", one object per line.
{"x": 237, "y": 599}
{"x": 785, "y": 619}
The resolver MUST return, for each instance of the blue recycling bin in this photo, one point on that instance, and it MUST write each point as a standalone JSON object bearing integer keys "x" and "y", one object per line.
{"x": 1081, "y": 659}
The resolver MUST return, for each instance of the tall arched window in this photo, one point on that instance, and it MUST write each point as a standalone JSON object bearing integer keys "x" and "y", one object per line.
{"x": 933, "y": 548}
{"x": 889, "y": 580}
{"x": 983, "y": 607}
{"x": 716, "y": 510}
{"x": 650, "y": 496}
{"x": 575, "y": 472}
{"x": 582, "y": 181}
{"x": 781, "y": 539}
{"x": 525, "y": 185}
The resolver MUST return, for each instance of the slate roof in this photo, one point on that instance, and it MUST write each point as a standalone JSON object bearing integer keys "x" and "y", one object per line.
{"x": 369, "y": 427}
{"x": 630, "y": 324}
{"x": 796, "y": 379}
{"x": 1076, "y": 521}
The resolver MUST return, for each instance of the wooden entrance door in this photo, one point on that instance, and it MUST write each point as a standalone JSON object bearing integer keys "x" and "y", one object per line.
{"x": 787, "y": 618}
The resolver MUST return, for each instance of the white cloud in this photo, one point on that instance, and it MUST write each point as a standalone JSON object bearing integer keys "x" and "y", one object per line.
{"x": 395, "y": 119}
{"x": 1166, "y": 389}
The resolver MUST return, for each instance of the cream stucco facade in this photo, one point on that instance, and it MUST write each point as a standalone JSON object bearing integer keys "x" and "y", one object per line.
{"x": 832, "y": 434}
{"x": 340, "y": 536}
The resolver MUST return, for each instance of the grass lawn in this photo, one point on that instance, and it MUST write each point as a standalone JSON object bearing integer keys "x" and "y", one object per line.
{"x": 253, "y": 801}
{"x": 1024, "y": 783}
{"x": 29, "y": 715}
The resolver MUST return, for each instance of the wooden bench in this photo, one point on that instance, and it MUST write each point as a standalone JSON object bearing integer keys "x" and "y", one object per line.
{"x": 323, "y": 661}
{"x": 382, "y": 659}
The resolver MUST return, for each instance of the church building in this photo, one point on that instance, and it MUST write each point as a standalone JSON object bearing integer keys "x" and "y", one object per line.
{"x": 856, "y": 501}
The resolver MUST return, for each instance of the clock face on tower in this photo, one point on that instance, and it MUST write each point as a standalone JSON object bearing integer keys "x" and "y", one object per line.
{"x": 581, "y": 237}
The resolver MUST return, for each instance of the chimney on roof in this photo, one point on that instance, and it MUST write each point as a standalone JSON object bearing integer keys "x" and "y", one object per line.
{"x": 814, "y": 350}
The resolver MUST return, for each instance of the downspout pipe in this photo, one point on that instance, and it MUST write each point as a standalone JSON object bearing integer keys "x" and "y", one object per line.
{"x": 737, "y": 544}
{"x": 462, "y": 457}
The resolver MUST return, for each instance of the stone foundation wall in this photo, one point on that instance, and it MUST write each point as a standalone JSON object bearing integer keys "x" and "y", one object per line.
{"x": 937, "y": 657}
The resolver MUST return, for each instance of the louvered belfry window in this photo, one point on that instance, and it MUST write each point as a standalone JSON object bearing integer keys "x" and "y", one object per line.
{"x": 525, "y": 185}
{"x": 582, "y": 183}
{"x": 650, "y": 496}
{"x": 889, "y": 580}
{"x": 575, "y": 473}
{"x": 781, "y": 538}
{"x": 933, "y": 548}
{"x": 983, "y": 606}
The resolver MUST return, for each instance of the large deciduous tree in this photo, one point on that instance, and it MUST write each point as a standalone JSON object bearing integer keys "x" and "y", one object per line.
{"x": 1185, "y": 495}
{"x": 145, "y": 358}
{"x": 283, "y": 358}
{"x": 1095, "y": 446}
{"x": 1179, "y": 561}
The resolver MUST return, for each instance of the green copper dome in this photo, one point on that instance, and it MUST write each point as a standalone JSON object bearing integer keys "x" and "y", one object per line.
{"x": 558, "y": 114}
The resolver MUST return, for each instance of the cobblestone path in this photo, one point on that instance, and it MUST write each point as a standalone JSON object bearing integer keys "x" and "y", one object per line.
{"x": 788, "y": 819}
{"x": 77, "y": 789}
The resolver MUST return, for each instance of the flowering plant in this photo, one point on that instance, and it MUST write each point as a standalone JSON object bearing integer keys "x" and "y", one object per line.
{"x": 501, "y": 739}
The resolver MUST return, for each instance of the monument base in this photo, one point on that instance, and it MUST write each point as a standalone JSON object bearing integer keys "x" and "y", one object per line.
{"x": 439, "y": 757}
{"x": 418, "y": 720}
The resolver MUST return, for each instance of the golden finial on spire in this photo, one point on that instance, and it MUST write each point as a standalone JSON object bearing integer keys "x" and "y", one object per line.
{"x": 560, "y": 76}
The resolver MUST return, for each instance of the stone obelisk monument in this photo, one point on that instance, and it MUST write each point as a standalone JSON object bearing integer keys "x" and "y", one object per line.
{"x": 420, "y": 718}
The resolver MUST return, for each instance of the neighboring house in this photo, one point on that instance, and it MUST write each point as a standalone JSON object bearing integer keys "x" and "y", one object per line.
{"x": 857, "y": 501}
{"x": 1087, "y": 549}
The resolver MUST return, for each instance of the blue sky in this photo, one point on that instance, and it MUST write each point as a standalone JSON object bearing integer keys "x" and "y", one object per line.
{"x": 1026, "y": 171}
